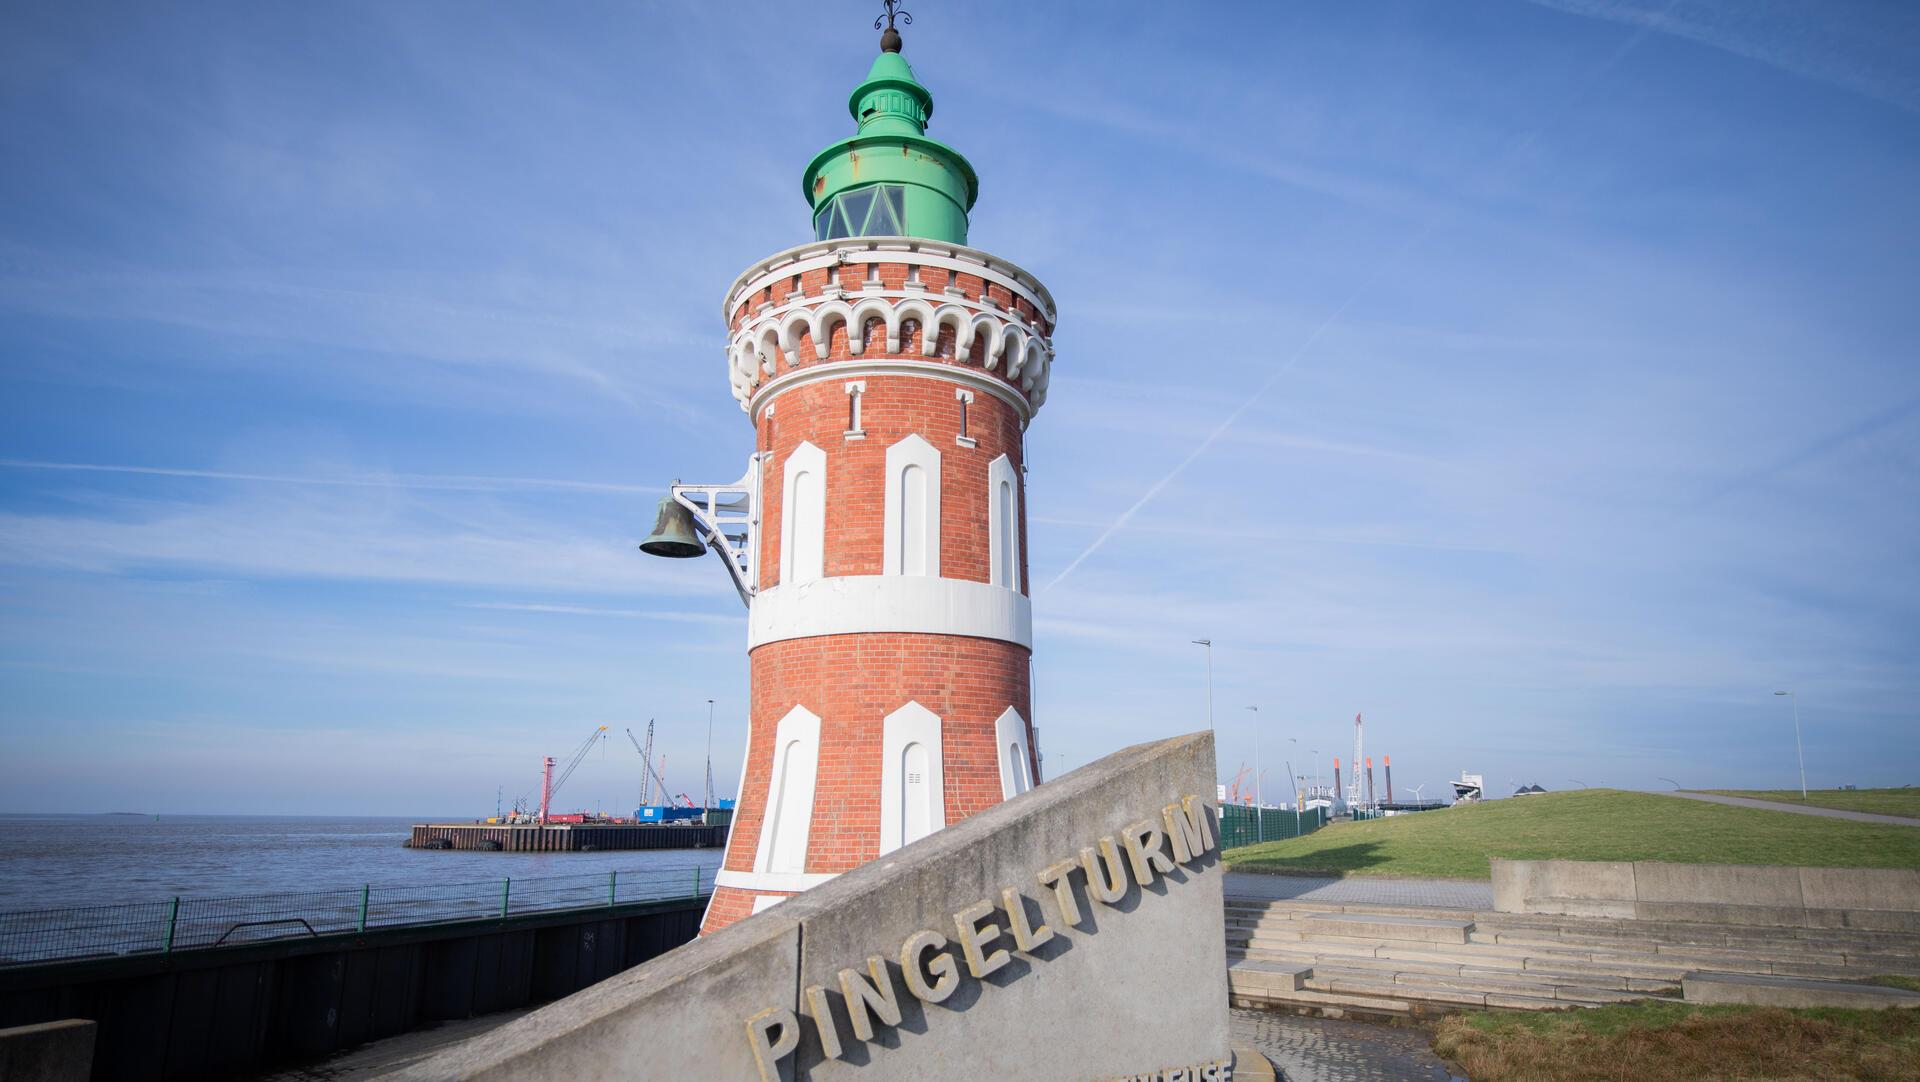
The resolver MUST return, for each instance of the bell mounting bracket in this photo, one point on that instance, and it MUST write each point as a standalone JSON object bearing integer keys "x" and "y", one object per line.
{"x": 727, "y": 518}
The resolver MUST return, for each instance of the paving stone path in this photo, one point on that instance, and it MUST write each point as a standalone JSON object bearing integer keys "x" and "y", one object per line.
{"x": 1797, "y": 809}
{"x": 1362, "y": 890}
{"x": 1327, "y": 1050}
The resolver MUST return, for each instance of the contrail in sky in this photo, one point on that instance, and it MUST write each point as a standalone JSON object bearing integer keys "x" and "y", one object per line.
{"x": 445, "y": 483}
{"x": 1518, "y": 145}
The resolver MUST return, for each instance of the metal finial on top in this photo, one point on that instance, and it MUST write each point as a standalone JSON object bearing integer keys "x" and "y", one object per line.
{"x": 890, "y": 40}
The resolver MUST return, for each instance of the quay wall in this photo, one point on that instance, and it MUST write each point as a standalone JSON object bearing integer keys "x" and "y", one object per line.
{"x": 237, "y": 1011}
{"x": 565, "y": 837}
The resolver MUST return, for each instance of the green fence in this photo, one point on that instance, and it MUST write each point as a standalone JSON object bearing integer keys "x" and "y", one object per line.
{"x": 1241, "y": 825}
{"x": 48, "y": 935}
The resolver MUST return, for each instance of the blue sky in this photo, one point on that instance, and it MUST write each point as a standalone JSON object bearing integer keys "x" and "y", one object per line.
{"x": 1538, "y": 378}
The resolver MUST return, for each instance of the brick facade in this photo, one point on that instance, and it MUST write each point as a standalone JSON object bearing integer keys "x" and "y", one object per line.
{"x": 852, "y": 682}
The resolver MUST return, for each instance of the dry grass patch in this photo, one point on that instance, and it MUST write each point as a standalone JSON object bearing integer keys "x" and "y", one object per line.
{"x": 1673, "y": 1042}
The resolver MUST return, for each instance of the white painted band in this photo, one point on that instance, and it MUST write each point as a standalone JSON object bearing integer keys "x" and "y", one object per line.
{"x": 791, "y": 881}
{"x": 865, "y": 604}
{"x": 764, "y": 394}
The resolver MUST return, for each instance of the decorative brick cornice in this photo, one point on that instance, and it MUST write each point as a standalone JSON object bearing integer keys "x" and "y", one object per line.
{"x": 973, "y": 328}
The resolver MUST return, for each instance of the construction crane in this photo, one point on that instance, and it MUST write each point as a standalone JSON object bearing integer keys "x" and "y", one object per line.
{"x": 1233, "y": 787}
{"x": 647, "y": 757}
{"x": 549, "y": 785}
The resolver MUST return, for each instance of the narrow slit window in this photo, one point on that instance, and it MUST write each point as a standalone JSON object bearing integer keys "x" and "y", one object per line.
{"x": 965, "y": 399}
{"x": 854, "y": 391}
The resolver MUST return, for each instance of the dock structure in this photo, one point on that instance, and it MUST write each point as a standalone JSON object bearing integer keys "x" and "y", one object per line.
{"x": 564, "y": 837}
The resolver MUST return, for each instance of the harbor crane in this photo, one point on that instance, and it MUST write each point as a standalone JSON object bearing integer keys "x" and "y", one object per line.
{"x": 550, "y": 786}
{"x": 656, "y": 776}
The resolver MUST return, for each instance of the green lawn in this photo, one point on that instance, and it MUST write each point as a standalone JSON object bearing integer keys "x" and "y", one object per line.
{"x": 1677, "y": 1042}
{"x": 1904, "y": 801}
{"x": 1583, "y": 824}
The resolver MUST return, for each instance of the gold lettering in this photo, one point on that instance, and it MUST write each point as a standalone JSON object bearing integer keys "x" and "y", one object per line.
{"x": 868, "y": 1001}
{"x": 767, "y": 1052}
{"x": 974, "y": 935}
{"x": 1025, "y": 935}
{"x": 1145, "y": 850}
{"x": 1059, "y": 877}
{"x": 946, "y": 975}
{"x": 1112, "y": 886}
{"x": 822, "y": 1012}
{"x": 1187, "y": 826}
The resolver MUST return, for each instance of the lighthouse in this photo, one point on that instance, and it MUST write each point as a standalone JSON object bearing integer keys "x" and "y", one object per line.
{"x": 889, "y": 371}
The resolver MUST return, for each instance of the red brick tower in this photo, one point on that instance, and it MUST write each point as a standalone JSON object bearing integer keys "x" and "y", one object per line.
{"x": 879, "y": 536}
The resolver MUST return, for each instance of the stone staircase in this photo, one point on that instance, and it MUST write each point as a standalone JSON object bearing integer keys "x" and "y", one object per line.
{"x": 1376, "y": 960}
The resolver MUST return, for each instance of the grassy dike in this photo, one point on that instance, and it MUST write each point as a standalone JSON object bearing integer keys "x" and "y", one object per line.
{"x": 1583, "y": 824}
{"x": 1675, "y": 1042}
{"x": 1904, "y": 801}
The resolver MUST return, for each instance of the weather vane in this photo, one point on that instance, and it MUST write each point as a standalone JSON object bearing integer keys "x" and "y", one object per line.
{"x": 890, "y": 40}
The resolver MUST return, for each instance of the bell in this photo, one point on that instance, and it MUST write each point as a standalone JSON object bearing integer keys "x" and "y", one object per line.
{"x": 673, "y": 534}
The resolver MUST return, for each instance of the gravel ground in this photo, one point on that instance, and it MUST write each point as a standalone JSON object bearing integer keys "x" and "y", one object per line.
{"x": 1329, "y": 1050}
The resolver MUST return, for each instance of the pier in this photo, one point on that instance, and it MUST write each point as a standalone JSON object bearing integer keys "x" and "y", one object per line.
{"x": 564, "y": 837}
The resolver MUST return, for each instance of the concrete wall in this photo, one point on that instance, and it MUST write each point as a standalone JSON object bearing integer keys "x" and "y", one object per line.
{"x": 1133, "y": 986}
{"x": 1873, "y": 898}
{"x": 48, "y": 1052}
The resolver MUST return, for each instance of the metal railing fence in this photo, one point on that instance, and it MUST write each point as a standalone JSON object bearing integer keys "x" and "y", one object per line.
{"x": 48, "y": 935}
{"x": 1241, "y": 825}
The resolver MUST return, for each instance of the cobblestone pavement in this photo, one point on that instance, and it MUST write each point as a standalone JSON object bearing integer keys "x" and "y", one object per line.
{"x": 1440, "y": 893}
{"x": 1328, "y": 1050}
{"x": 1798, "y": 809}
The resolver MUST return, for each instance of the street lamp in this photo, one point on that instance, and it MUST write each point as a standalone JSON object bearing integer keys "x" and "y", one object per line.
{"x": 709, "y": 804}
{"x": 1795, "y": 699}
{"x": 1671, "y": 782}
{"x": 1208, "y": 643}
{"x": 1580, "y": 783}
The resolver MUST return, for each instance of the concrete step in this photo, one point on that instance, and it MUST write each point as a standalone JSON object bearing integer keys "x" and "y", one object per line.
{"x": 1256, "y": 975}
{"x": 1336, "y": 1004}
{"x": 1389, "y": 928}
{"x": 1789, "y": 992}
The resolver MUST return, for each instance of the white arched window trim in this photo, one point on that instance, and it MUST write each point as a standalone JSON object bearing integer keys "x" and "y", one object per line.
{"x": 1014, "y": 752}
{"x": 912, "y": 509}
{"x": 911, "y": 724}
{"x": 789, "y": 816}
{"x": 1003, "y": 523}
{"x": 803, "y": 515}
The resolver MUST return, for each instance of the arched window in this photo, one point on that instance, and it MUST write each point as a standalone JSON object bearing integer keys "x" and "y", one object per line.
{"x": 803, "y": 515}
{"x": 912, "y": 786}
{"x": 789, "y": 808}
{"x": 1016, "y": 759}
{"x": 912, "y": 509}
{"x": 1003, "y": 523}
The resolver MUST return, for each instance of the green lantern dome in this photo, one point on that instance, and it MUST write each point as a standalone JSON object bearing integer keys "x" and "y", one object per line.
{"x": 889, "y": 179}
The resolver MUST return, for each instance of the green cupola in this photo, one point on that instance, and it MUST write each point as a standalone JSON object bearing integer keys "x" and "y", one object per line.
{"x": 889, "y": 179}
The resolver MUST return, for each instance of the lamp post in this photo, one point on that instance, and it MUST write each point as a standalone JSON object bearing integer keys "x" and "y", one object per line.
{"x": 1671, "y": 782}
{"x": 1208, "y": 643}
{"x": 709, "y": 804}
{"x": 1795, "y": 699}
{"x": 1259, "y": 805}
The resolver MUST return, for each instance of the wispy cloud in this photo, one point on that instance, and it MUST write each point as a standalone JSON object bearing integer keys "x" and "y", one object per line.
{"x": 1869, "y": 49}
{"x": 419, "y": 481}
